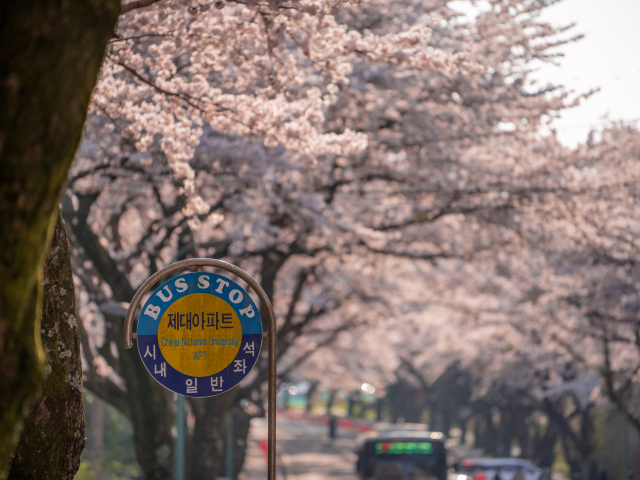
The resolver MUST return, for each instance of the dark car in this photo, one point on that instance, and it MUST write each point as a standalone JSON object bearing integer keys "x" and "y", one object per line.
{"x": 403, "y": 455}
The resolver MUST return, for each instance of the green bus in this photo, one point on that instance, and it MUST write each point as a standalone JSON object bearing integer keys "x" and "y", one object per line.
{"x": 399, "y": 455}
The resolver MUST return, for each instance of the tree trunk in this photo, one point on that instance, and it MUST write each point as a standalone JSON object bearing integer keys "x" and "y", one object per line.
{"x": 577, "y": 445}
{"x": 311, "y": 393}
{"x": 485, "y": 432}
{"x": 146, "y": 403}
{"x": 241, "y": 426}
{"x": 50, "y": 56}
{"x": 330, "y": 399}
{"x": 53, "y": 435}
{"x": 544, "y": 450}
{"x": 152, "y": 416}
{"x": 207, "y": 447}
{"x": 205, "y": 456}
{"x": 351, "y": 403}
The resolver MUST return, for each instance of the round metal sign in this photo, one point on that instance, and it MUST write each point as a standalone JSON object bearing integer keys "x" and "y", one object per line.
{"x": 199, "y": 334}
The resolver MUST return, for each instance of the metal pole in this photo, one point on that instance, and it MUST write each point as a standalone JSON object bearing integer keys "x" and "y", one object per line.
{"x": 500, "y": 447}
{"x": 180, "y": 438}
{"x": 229, "y": 459}
{"x": 271, "y": 317}
{"x": 627, "y": 456}
{"x": 271, "y": 412}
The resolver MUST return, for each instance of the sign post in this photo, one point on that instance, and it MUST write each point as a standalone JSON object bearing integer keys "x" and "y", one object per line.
{"x": 179, "y": 437}
{"x": 199, "y": 334}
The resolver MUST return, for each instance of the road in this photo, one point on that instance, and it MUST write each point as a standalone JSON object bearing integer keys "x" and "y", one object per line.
{"x": 304, "y": 452}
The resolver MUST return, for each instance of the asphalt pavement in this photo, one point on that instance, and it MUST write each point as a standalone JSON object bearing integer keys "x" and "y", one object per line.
{"x": 304, "y": 452}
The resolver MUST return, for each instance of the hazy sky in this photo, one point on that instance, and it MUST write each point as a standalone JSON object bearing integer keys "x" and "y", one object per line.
{"x": 608, "y": 57}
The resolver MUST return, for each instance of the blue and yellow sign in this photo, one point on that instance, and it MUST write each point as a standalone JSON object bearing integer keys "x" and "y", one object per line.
{"x": 199, "y": 334}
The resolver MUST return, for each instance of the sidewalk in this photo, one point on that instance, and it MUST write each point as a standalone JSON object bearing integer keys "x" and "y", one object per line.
{"x": 255, "y": 462}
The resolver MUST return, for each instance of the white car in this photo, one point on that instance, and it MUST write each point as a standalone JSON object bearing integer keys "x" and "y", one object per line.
{"x": 497, "y": 469}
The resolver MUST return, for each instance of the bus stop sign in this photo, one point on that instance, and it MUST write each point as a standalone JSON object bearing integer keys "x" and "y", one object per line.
{"x": 199, "y": 334}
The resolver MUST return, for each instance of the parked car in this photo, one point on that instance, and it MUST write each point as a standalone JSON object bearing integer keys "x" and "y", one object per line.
{"x": 487, "y": 469}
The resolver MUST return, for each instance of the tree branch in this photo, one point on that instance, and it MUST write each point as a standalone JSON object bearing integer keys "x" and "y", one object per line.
{"x": 614, "y": 395}
{"x": 135, "y": 4}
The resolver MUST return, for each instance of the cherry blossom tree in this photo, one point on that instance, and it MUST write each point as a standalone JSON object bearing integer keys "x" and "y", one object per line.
{"x": 548, "y": 320}
{"x": 351, "y": 156}
{"x": 592, "y": 312}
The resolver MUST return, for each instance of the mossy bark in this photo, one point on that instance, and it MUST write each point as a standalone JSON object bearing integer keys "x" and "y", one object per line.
{"x": 53, "y": 435}
{"x": 50, "y": 56}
